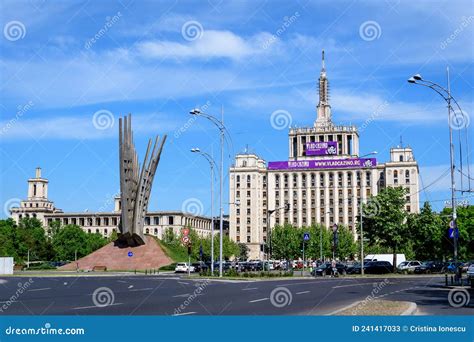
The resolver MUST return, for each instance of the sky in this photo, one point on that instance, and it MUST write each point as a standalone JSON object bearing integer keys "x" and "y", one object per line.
{"x": 70, "y": 69}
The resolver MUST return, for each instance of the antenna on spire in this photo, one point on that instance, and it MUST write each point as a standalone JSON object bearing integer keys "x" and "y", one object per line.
{"x": 401, "y": 142}
{"x": 323, "y": 66}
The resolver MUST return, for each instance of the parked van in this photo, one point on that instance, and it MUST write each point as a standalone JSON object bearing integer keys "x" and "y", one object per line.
{"x": 385, "y": 257}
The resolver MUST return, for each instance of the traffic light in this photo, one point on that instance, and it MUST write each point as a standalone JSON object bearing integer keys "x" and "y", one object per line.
{"x": 189, "y": 249}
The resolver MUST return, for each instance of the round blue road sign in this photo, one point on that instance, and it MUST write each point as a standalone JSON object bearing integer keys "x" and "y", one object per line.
{"x": 130, "y": 254}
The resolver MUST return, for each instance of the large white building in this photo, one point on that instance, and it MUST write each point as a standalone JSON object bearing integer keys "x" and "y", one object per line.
{"x": 38, "y": 205}
{"x": 322, "y": 182}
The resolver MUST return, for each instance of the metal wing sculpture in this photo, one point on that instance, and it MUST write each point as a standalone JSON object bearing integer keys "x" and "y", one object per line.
{"x": 135, "y": 183}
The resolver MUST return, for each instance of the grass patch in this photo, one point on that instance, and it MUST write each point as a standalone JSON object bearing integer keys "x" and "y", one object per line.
{"x": 177, "y": 254}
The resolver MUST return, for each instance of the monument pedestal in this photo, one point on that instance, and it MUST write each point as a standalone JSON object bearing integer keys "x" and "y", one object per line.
{"x": 117, "y": 258}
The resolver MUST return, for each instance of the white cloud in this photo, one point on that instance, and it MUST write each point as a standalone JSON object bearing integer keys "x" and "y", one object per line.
{"x": 80, "y": 127}
{"x": 212, "y": 44}
{"x": 363, "y": 105}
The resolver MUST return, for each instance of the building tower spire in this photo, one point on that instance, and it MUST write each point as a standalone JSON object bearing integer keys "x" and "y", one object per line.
{"x": 323, "y": 108}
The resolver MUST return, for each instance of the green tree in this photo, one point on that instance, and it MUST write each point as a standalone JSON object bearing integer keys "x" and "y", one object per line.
{"x": 465, "y": 223}
{"x": 113, "y": 237}
{"x": 347, "y": 247}
{"x": 94, "y": 242}
{"x": 8, "y": 239}
{"x": 30, "y": 237}
{"x": 243, "y": 251}
{"x": 318, "y": 233}
{"x": 68, "y": 240}
{"x": 426, "y": 234}
{"x": 384, "y": 219}
{"x": 286, "y": 242}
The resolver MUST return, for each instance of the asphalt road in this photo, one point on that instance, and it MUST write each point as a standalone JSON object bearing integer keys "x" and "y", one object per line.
{"x": 178, "y": 295}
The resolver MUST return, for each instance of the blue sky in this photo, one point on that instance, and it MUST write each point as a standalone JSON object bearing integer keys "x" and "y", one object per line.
{"x": 62, "y": 62}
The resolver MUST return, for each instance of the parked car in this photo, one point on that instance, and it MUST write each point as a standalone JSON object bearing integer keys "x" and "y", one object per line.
{"x": 200, "y": 266}
{"x": 326, "y": 269}
{"x": 378, "y": 267}
{"x": 451, "y": 266}
{"x": 466, "y": 266}
{"x": 183, "y": 267}
{"x": 429, "y": 267}
{"x": 470, "y": 272}
{"x": 408, "y": 266}
{"x": 354, "y": 268}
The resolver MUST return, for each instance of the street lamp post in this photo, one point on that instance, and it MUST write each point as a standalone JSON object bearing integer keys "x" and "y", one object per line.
{"x": 361, "y": 225}
{"x": 269, "y": 229}
{"x": 222, "y": 129}
{"x": 334, "y": 240}
{"x": 212, "y": 163}
{"x": 446, "y": 95}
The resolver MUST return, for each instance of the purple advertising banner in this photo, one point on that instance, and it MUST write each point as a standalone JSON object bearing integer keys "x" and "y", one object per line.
{"x": 323, "y": 164}
{"x": 321, "y": 148}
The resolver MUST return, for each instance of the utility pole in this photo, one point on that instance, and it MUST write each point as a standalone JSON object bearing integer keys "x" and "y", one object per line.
{"x": 453, "y": 185}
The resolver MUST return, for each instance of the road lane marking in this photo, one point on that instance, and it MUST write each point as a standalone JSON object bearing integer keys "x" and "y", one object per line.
{"x": 95, "y": 306}
{"x": 145, "y": 289}
{"x": 250, "y": 288}
{"x": 182, "y": 282}
{"x": 42, "y": 289}
{"x": 185, "y": 313}
{"x": 258, "y": 300}
{"x": 349, "y": 285}
{"x": 302, "y": 292}
{"x": 182, "y": 295}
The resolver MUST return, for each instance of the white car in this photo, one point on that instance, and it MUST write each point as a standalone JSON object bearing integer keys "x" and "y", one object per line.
{"x": 470, "y": 272}
{"x": 408, "y": 266}
{"x": 183, "y": 267}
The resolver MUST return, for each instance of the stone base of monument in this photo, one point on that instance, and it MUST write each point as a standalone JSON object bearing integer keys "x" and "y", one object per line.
{"x": 129, "y": 240}
{"x": 118, "y": 258}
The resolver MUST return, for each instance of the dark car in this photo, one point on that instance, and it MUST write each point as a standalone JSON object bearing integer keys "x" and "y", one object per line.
{"x": 451, "y": 266}
{"x": 326, "y": 269}
{"x": 200, "y": 266}
{"x": 430, "y": 267}
{"x": 354, "y": 268}
{"x": 378, "y": 267}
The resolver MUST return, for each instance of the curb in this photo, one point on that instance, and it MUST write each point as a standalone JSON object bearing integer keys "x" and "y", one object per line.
{"x": 410, "y": 311}
{"x": 343, "y": 308}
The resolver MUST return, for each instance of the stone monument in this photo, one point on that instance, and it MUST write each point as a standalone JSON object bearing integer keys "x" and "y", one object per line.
{"x": 135, "y": 184}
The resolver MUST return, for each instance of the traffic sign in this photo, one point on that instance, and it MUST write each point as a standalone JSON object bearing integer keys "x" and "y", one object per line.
{"x": 306, "y": 236}
{"x": 185, "y": 231}
{"x": 185, "y": 240}
{"x": 452, "y": 224}
{"x": 452, "y": 231}
{"x": 130, "y": 254}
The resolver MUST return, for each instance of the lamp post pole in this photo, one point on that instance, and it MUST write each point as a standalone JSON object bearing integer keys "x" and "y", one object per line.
{"x": 222, "y": 129}
{"x": 361, "y": 241}
{"x": 321, "y": 243}
{"x": 212, "y": 163}
{"x": 446, "y": 95}
{"x": 221, "y": 187}
{"x": 453, "y": 185}
{"x": 269, "y": 231}
{"x": 361, "y": 224}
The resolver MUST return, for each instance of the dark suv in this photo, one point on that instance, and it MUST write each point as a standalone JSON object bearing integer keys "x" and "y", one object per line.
{"x": 378, "y": 267}
{"x": 326, "y": 269}
{"x": 430, "y": 267}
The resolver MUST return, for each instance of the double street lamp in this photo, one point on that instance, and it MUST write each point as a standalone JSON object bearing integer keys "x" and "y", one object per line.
{"x": 222, "y": 129}
{"x": 212, "y": 164}
{"x": 286, "y": 207}
{"x": 445, "y": 93}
